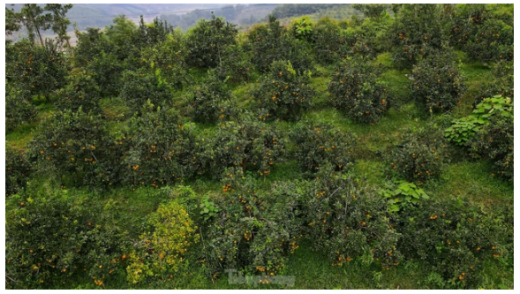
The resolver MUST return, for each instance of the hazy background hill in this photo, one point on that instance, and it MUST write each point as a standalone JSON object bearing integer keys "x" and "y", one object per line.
{"x": 184, "y": 16}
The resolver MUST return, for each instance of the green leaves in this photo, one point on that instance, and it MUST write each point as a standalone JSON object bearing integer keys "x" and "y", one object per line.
{"x": 354, "y": 90}
{"x": 208, "y": 209}
{"x": 418, "y": 157}
{"x": 320, "y": 145}
{"x": 464, "y": 129}
{"x": 207, "y": 41}
{"x": 402, "y": 194}
{"x": 283, "y": 93}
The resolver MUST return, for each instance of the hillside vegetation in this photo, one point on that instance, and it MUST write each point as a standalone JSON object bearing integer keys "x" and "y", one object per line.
{"x": 369, "y": 152}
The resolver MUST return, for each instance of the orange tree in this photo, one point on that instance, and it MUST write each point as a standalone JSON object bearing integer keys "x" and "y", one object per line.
{"x": 161, "y": 150}
{"x": 420, "y": 156}
{"x": 141, "y": 86}
{"x": 485, "y": 32}
{"x": 211, "y": 101}
{"x": 354, "y": 89}
{"x": 412, "y": 37}
{"x": 17, "y": 171}
{"x": 465, "y": 20}
{"x": 52, "y": 238}
{"x": 457, "y": 238}
{"x": 493, "y": 41}
{"x": 271, "y": 42}
{"x": 252, "y": 232}
{"x": 236, "y": 64}
{"x": 89, "y": 45}
{"x": 436, "y": 83}
{"x": 321, "y": 144}
{"x": 39, "y": 69}
{"x": 366, "y": 39}
{"x": 283, "y": 93}
{"x": 77, "y": 148}
{"x": 326, "y": 40}
{"x": 107, "y": 70}
{"x": 348, "y": 220}
{"x": 495, "y": 141}
{"x": 81, "y": 91}
{"x": 247, "y": 144}
{"x": 168, "y": 59}
{"x": 18, "y": 107}
{"x": 160, "y": 250}
{"x": 207, "y": 41}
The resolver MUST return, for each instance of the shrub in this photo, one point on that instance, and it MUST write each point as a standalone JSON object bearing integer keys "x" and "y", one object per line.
{"x": 484, "y": 32}
{"x": 465, "y": 128}
{"x": 437, "y": 84}
{"x": 168, "y": 59}
{"x": 249, "y": 145}
{"x": 412, "y": 37}
{"x": 162, "y": 150}
{"x": 464, "y": 23}
{"x": 39, "y": 69}
{"x": 419, "y": 157}
{"x": 18, "y": 108}
{"x": 402, "y": 195}
{"x": 82, "y": 91}
{"x": 349, "y": 221}
{"x": 271, "y": 42}
{"x": 283, "y": 93}
{"x": 160, "y": 251}
{"x": 252, "y": 232}
{"x": 495, "y": 141}
{"x": 211, "y": 102}
{"x": 327, "y": 40}
{"x": 321, "y": 144}
{"x": 354, "y": 89}
{"x": 208, "y": 39}
{"x": 17, "y": 171}
{"x": 302, "y": 28}
{"x": 492, "y": 41}
{"x": 54, "y": 237}
{"x": 455, "y": 237}
{"x": 366, "y": 39}
{"x": 107, "y": 70}
{"x": 90, "y": 44}
{"x": 139, "y": 87}
{"x": 236, "y": 65}
{"x": 76, "y": 147}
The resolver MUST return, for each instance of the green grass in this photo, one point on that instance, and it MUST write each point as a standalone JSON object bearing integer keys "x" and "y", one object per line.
{"x": 474, "y": 181}
{"x": 114, "y": 109}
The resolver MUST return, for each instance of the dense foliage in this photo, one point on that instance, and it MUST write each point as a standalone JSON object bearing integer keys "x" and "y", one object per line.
{"x": 283, "y": 93}
{"x": 54, "y": 237}
{"x": 160, "y": 252}
{"x": 454, "y": 237}
{"x": 247, "y": 144}
{"x": 322, "y": 144}
{"x": 253, "y": 232}
{"x": 437, "y": 83}
{"x": 208, "y": 40}
{"x": 76, "y": 147}
{"x": 355, "y": 90}
{"x": 419, "y": 157}
{"x": 349, "y": 221}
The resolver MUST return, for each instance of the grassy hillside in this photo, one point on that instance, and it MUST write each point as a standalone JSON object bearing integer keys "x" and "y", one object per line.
{"x": 96, "y": 201}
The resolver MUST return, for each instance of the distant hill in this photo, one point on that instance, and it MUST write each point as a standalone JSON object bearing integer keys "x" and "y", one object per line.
{"x": 239, "y": 14}
{"x": 185, "y": 16}
{"x": 101, "y": 15}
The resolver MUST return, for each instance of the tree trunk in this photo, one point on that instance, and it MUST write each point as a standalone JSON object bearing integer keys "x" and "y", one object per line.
{"x": 70, "y": 49}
